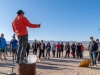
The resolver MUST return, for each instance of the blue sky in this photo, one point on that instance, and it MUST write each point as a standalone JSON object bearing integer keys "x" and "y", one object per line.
{"x": 60, "y": 19}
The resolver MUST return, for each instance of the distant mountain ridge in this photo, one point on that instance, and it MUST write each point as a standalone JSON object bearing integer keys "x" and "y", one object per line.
{"x": 52, "y": 42}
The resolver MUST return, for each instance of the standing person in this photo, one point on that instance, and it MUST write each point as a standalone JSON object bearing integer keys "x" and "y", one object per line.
{"x": 53, "y": 50}
{"x": 58, "y": 49}
{"x": 62, "y": 48}
{"x": 3, "y": 46}
{"x": 82, "y": 49}
{"x": 67, "y": 48}
{"x": 48, "y": 48}
{"x": 27, "y": 50}
{"x": 35, "y": 47}
{"x": 13, "y": 47}
{"x": 73, "y": 47}
{"x": 79, "y": 51}
{"x": 97, "y": 40}
{"x": 19, "y": 25}
{"x": 92, "y": 49}
{"x": 42, "y": 49}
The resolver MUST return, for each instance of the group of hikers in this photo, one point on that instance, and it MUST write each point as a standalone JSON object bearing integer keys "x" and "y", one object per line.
{"x": 19, "y": 27}
{"x": 57, "y": 49}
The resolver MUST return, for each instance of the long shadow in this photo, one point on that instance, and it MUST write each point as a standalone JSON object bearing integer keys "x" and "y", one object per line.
{"x": 59, "y": 60}
{"x": 97, "y": 68}
{"x": 56, "y": 64}
{"x": 3, "y": 73}
{"x": 50, "y": 67}
{"x": 46, "y": 67}
{"x": 6, "y": 64}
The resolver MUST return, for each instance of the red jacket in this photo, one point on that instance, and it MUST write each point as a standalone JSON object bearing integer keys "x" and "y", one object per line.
{"x": 20, "y": 25}
{"x": 58, "y": 46}
{"x": 82, "y": 47}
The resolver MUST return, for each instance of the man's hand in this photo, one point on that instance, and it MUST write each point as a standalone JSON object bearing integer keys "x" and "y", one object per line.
{"x": 39, "y": 25}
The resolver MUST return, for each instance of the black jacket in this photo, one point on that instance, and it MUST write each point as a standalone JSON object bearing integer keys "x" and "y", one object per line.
{"x": 93, "y": 46}
{"x": 78, "y": 47}
{"x": 35, "y": 46}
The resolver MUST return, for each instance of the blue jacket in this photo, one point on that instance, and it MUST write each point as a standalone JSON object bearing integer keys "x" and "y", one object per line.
{"x": 2, "y": 42}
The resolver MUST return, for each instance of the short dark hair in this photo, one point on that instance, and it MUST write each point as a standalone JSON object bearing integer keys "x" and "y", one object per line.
{"x": 20, "y": 12}
{"x": 97, "y": 39}
{"x": 91, "y": 37}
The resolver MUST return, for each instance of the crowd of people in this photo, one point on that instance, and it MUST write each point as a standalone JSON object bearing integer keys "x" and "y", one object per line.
{"x": 57, "y": 49}
{"x": 19, "y": 27}
{"x": 76, "y": 50}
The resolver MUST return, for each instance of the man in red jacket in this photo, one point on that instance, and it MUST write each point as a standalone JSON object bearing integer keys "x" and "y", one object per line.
{"x": 19, "y": 26}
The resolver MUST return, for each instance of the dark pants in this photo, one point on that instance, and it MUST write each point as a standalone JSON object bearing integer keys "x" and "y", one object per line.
{"x": 53, "y": 53}
{"x": 58, "y": 53}
{"x": 73, "y": 53}
{"x": 27, "y": 52}
{"x": 99, "y": 56}
{"x": 48, "y": 53}
{"x": 41, "y": 52}
{"x": 79, "y": 54}
{"x": 35, "y": 52}
{"x": 23, "y": 41}
{"x": 67, "y": 53}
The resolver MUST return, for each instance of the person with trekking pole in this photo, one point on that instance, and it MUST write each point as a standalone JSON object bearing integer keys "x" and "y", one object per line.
{"x": 19, "y": 26}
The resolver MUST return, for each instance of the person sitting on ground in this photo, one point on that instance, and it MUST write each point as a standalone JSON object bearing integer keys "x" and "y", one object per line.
{"x": 14, "y": 45}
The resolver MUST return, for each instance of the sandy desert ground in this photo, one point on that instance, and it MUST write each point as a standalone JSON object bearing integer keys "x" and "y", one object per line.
{"x": 54, "y": 66}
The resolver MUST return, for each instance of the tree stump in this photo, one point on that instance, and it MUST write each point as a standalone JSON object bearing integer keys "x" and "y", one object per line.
{"x": 27, "y": 69}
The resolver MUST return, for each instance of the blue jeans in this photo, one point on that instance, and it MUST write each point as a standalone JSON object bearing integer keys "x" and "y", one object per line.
{"x": 93, "y": 57}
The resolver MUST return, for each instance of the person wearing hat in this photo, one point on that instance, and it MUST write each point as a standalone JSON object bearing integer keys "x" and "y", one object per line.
{"x": 98, "y": 53}
{"x": 93, "y": 47}
{"x": 19, "y": 26}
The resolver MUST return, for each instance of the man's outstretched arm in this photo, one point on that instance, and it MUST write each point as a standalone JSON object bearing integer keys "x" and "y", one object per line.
{"x": 28, "y": 24}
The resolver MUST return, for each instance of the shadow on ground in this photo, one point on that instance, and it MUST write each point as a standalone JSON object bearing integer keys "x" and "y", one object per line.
{"x": 50, "y": 67}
